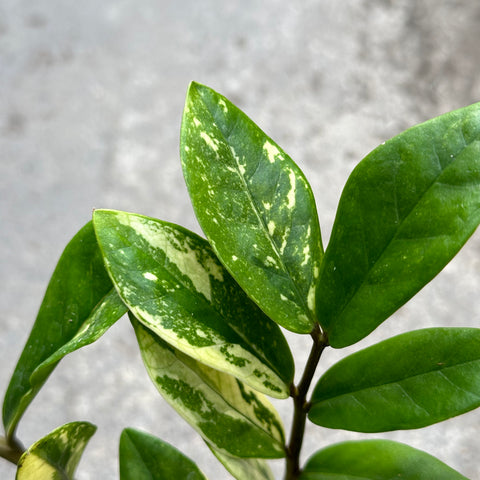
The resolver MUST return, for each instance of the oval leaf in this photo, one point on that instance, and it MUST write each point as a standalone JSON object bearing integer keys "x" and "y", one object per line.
{"x": 244, "y": 468}
{"x": 78, "y": 284}
{"x": 406, "y": 210}
{"x": 144, "y": 457}
{"x": 56, "y": 456}
{"x": 409, "y": 381}
{"x": 375, "y": 459}
{"x": 255, "y": 207}
{"x": 172, "y": 281}
{"x": 227, "y": 414}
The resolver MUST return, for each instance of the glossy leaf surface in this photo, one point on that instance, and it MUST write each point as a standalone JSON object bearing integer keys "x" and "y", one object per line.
{"x": 375, "y": 460}
{"x": 244, "y": 468}
{"x": 145, "y": 457}
{"x": 55, "y": 456}
{"x": 77, "y": 288}
{"x": 255, "y": 207}
{"x": 174, "y": 284}
{"x": 409, "y": 381}
{"x": 228, "y": 414}
{"x": 405, "y": 211}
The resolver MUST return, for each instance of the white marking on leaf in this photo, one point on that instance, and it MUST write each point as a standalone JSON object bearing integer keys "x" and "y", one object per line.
{"x": 267, "y": 205}
{"x": 196, "y": 122}
{"x": 150, "y": 276}
{"x": 223, "y": 105}
{"x": 271, "y": 150}
{"x": 311, "y": 298}
{"x": 292, "y": 191}
{"x": 271, "y": 227}
{"x": 212, "y": 143}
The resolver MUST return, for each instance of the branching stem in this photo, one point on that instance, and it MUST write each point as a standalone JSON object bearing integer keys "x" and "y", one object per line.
{"x": 301, "y": 405}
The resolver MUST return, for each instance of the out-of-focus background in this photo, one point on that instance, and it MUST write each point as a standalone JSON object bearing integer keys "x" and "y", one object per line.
{"x": 91, "y": 97}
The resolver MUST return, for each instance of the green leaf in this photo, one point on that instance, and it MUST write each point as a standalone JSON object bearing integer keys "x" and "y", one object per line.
{"x": 229, "y": 415}
{"x": 255, "y": 207}
{"x": 145, "y": 457}
{"x": 409, "y": 381}
{"x": 174, "y": 284}
{"x": 406, "y": 210}
{"x": 244, "y": 468}
{"x": 78, "y": 292}
{"x": 55, "y": 456}
{"x": 375, "y": 460}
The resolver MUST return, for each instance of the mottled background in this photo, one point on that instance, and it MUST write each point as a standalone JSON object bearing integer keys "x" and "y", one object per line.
{"x": 91, "y": 97}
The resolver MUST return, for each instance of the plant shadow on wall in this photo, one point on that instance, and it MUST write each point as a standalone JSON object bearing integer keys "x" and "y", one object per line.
{"x": 207, "y": 312}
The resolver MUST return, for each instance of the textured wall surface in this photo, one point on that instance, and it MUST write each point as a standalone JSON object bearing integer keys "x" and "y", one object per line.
{"x": 91, "y": 96}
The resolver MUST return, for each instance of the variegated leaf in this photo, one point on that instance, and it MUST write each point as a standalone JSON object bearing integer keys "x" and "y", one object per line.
{"x": 254, "y": 205}
{"x": 244, "y": 468}
{"x": 173, "y": 283}
{"x": 56, "y": 456}
{"x": 227, "y": 413}
{"x": 145, "y": 457}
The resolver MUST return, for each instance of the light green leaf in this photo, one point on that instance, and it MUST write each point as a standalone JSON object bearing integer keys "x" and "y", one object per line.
{"x": 406, "y": 210}
{"x": 79, "y": 291}
{"x": 229, "y": 415}
{"x": 144, "y": 457}
{"x": 375, "y": 460}
{"x": 255, "y": 207}
{"x": 174, "y": 284}
{"x": 244, "y": 468}
{"x": 409, "y": 381}
{"x": 55, "y": 456}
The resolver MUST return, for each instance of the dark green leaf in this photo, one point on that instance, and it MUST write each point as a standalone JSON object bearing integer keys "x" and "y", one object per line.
{"x": 55, "y": 456}
{"x": 244, "y": 468}
{"x": 144, "y": 457}
{"x": 376, "y": 460}
{"x": 228, "y": 414}
{"x": 406, "y": 210}
{"x": 173, "y": 282}
{"x": 255, "y": 207}
{"x": 409, "y": 381}
{"x": 79, "y": 289}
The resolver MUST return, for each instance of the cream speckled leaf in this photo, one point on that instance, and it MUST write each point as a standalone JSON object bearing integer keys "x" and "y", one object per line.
{"x": 56, "y": 456}
{"x": 244, "y": 468}
{"x": 228, "y": 414}
{"x": 254, "y": 205}
{"x": 173, "y": 283}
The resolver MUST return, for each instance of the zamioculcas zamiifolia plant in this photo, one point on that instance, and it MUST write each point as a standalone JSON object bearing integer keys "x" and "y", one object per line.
{"x": 208, "y": 312}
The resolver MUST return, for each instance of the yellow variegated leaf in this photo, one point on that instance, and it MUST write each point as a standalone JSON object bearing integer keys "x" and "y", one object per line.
{"x": 174, "y": 284}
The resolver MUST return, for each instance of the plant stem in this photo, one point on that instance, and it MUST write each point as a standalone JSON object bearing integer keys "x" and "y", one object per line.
{"x": 301, "y": 406}
{"x": 11, "y": 450}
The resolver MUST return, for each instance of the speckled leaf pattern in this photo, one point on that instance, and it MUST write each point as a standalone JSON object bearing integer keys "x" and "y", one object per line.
{"x": 78, "y": 285}
{"x": 244, "y": 468}
{"x": 255, "y": 207}
{"x": 408, "y": 381}
{"x": 145, "y": 457}
{"x": 378, "y": 460}
{"x": 56, "y": 456}
{"x": 228, "y": 414}
{"x": 174, "y": 284}
{"x": 405, "y": 211}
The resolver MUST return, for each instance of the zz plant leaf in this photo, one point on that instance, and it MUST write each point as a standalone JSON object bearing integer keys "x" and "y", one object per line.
{"x": 207, "y": 313}
{"x": 255, "y": 207}
{"x": 55, "y": 456}
{"x": 406, "y": 210}
{"x": 79, "y": 293}
{"x": 173, "y": 283}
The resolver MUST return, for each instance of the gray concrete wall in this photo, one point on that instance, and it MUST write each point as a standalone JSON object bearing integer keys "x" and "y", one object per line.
{"x": 91, "y": 96}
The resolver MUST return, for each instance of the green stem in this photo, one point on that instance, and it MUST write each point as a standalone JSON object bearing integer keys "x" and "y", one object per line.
{"x": 301, "y": 406}
{"x": 11, "y": 450}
